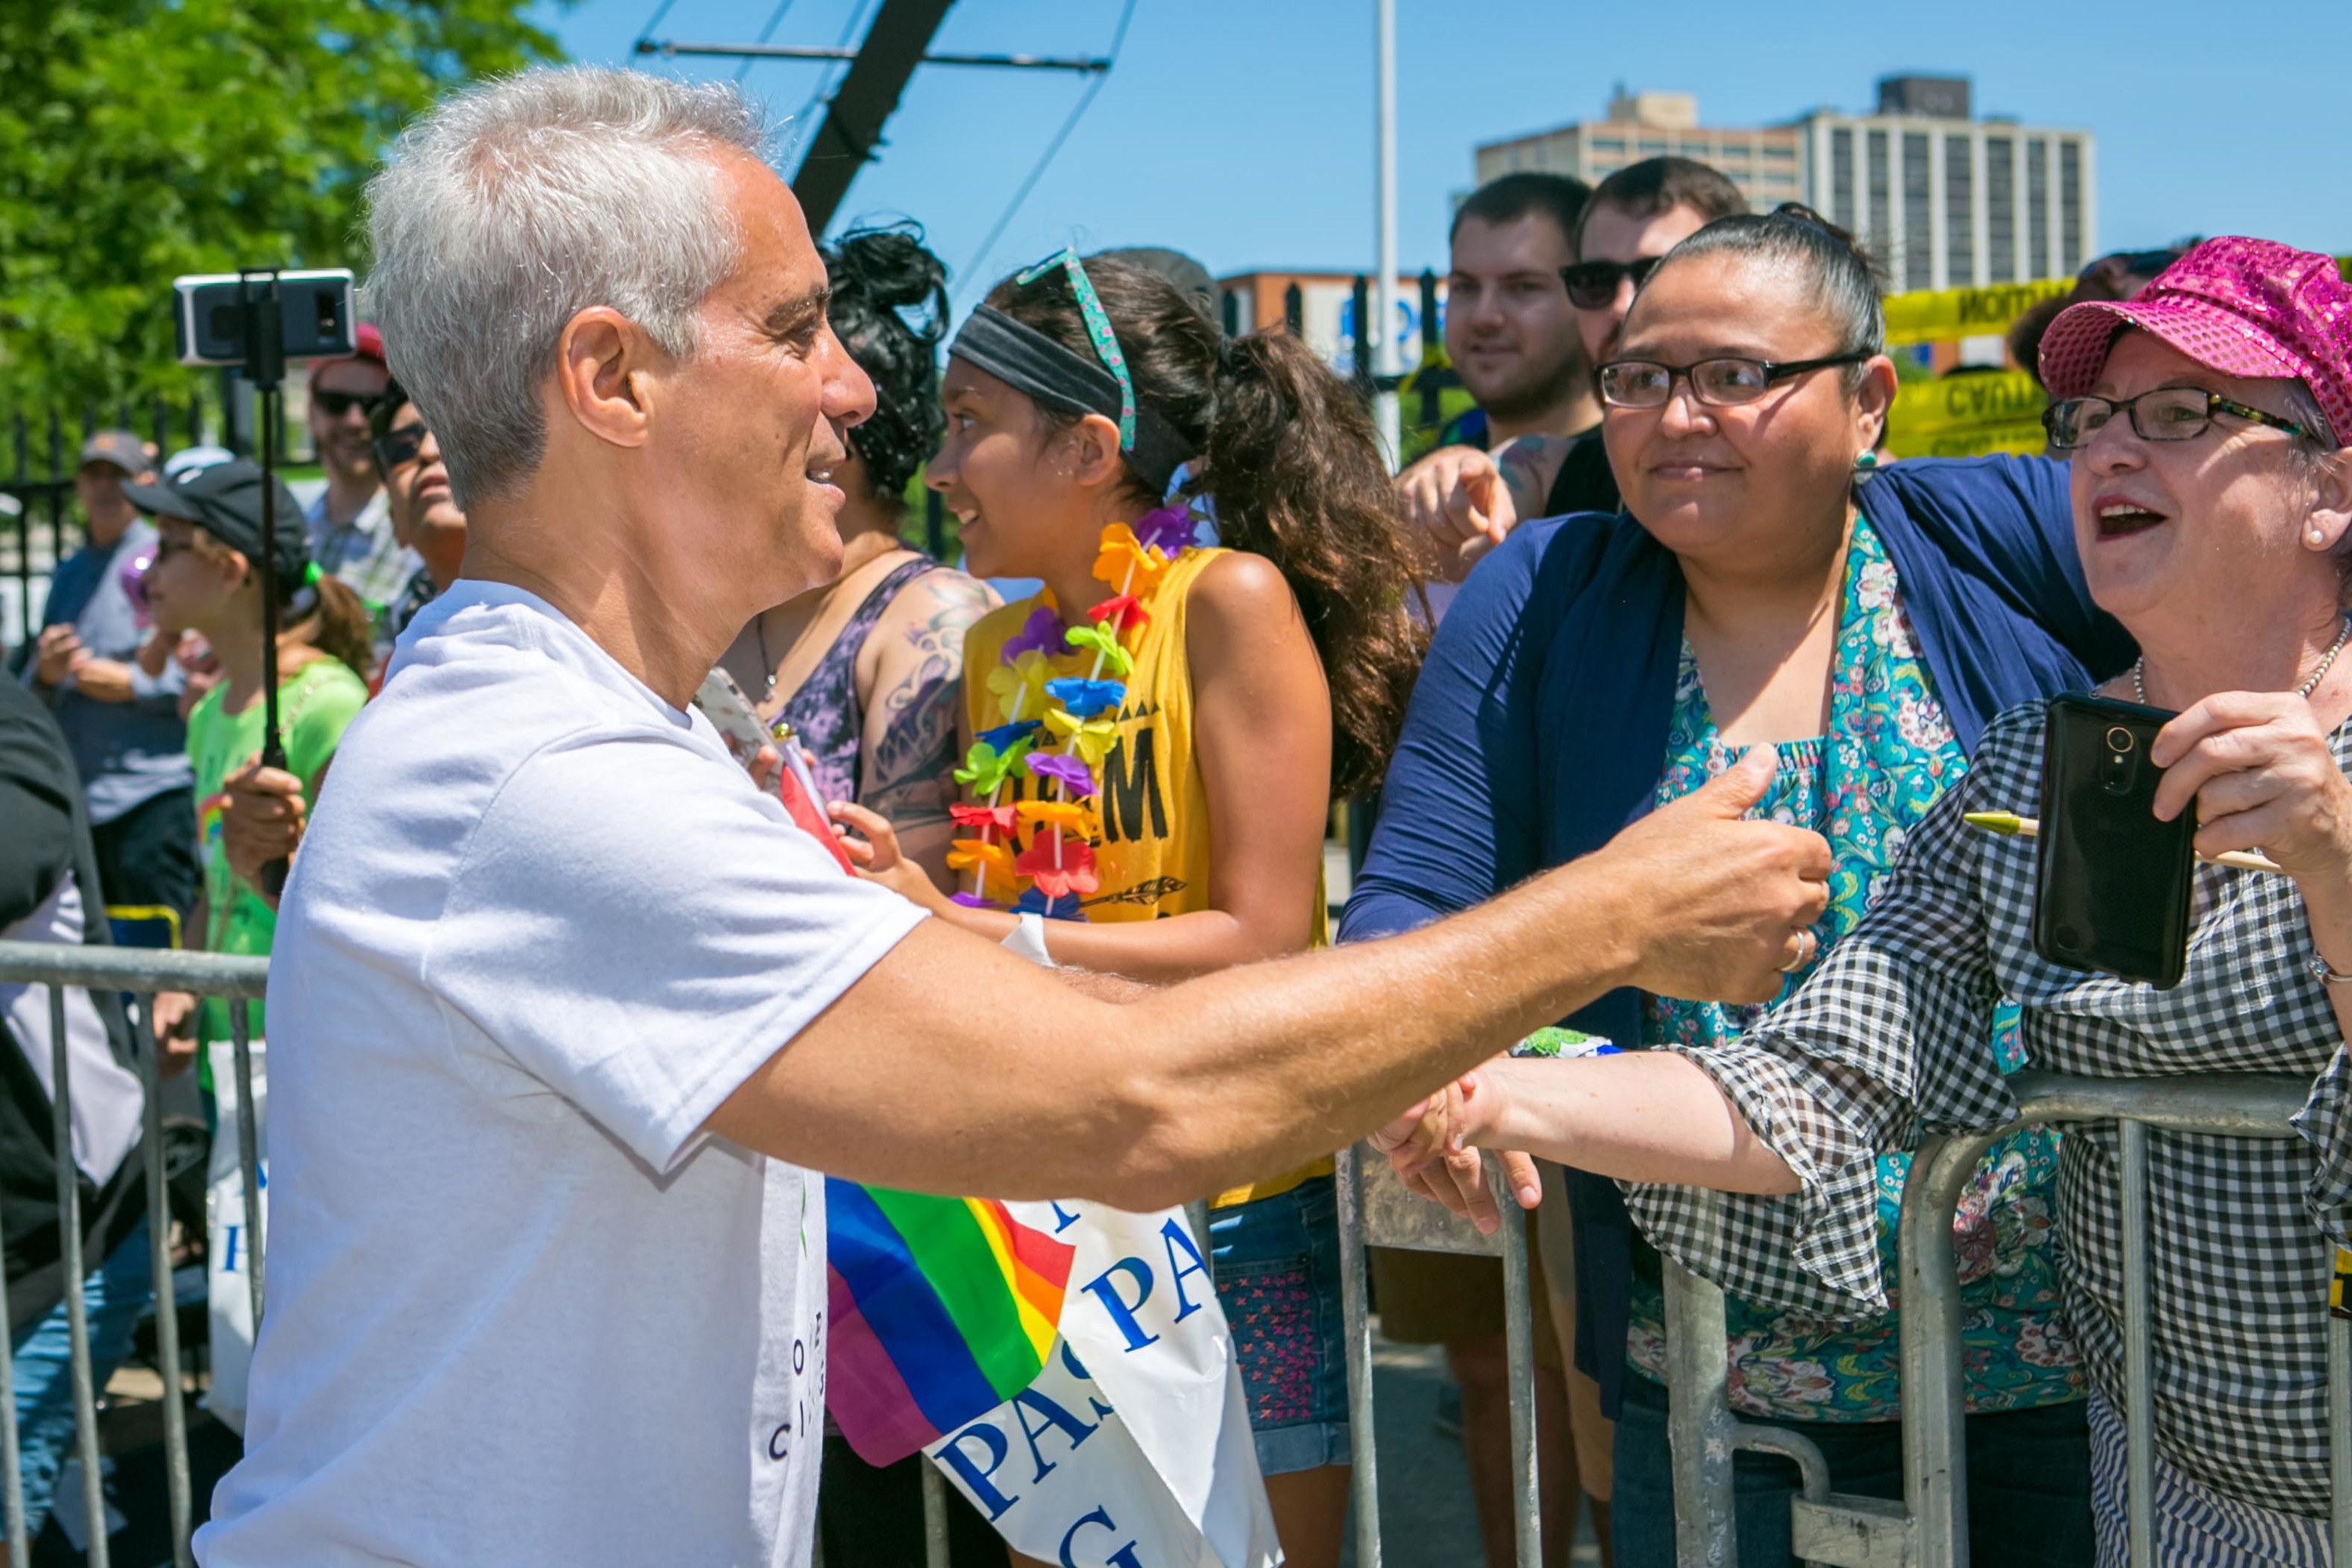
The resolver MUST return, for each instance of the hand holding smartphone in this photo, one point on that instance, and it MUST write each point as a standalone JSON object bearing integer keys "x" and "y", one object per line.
{"x": 2112, "y": 882}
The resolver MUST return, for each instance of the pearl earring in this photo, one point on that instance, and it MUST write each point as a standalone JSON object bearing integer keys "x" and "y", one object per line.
{"x": 2317, "y": 536}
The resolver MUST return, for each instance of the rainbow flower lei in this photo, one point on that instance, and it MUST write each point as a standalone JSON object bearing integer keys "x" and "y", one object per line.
{"x": 1037, "y": 855}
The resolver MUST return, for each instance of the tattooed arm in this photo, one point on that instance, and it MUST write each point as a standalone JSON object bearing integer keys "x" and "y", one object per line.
{"x": 1460, "y": 502}
{"x": 912, "y": 700}
{"x": 1529, "y": 465}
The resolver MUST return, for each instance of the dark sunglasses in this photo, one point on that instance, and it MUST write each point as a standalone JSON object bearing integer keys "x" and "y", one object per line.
{"x": 395, "y": 447}
{"x": 335, "y": 404}
{"x": 1593, "y": 285}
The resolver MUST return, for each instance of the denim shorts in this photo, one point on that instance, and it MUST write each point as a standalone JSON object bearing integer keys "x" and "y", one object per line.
{"x": 1276, "y": 1262}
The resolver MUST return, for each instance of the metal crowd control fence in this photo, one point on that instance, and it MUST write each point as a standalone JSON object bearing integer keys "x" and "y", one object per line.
{"x": 141, "y": 972}
{"x": 1930, "y": 1529}
{"x": 1375, "y": 1210}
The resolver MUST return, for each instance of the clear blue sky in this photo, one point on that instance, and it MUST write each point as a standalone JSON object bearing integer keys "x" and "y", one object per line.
{"x": 1242, "y": 132}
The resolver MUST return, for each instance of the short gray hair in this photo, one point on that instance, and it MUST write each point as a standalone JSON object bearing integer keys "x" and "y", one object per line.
{"x": 511, "y": 208}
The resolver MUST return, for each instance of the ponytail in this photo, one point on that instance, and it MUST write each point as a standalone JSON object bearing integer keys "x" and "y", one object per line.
{"x": 1290, "y": 458}
{"x": 1295, "y": 465}
{"x": 338, "y": 623}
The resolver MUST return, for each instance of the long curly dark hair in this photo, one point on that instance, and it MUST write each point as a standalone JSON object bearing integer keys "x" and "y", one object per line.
{"x": 1291, "y": 460}
{"x": 889, "y": 309}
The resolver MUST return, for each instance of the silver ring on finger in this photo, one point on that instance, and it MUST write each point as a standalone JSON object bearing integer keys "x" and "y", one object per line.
{"x": 1807, "y": 945}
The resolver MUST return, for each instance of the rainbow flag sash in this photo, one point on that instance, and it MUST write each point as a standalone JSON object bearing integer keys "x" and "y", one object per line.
{"x": 942, "y": 1309}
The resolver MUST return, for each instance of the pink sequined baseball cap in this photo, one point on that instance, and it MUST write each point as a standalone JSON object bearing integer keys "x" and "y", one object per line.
{"x": 2252, "y": 307}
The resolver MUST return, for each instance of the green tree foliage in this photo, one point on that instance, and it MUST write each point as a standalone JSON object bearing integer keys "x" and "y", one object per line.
{"x": 142, "y": 139}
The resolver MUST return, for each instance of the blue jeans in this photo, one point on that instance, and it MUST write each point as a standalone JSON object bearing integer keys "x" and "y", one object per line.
{"x": 2029, "y": 1483}
{"x": 1276, "y": 1264}
{"x": 115, "y": 1296}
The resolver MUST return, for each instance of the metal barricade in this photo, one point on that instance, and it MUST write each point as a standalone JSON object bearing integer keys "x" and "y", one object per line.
{"x": 1930, "y": 1529}
{"x": 1376, "y": 1210}
{"x": 141, "y": 972}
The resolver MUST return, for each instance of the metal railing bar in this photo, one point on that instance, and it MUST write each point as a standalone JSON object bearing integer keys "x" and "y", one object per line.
{"x": 2139, "y": 1379}
{"x": 221, "y": 974}
{"x": 2225, "y": 1104}
{"x": 1812, "y": 1469}
{"x": 1520, "y": 1367}
{"x": 249, "y": 1151}
{"x": 1699, "y": 1421}
{"x": 1356, "y": 1327}
{"x": 11, "y": 1486}
{"x": 1935, "y": 1398}
{"x": 85, "y": 1393}
{"x": 934, "y": 1517}
{"x": 167, "y": 1302}
{"x": 2339, "y": 1438}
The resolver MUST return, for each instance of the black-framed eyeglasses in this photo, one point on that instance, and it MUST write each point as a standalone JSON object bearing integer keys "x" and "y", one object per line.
{"x": 2166, "y": 414}
{"x": 335, "y": 404}
{"x": 1725, "y": 383}
{"x": 1593, "y": 285}
{"x": 395, "y": 447}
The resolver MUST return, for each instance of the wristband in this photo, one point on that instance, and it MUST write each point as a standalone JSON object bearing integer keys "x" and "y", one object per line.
{"x": 1028, "y": 940}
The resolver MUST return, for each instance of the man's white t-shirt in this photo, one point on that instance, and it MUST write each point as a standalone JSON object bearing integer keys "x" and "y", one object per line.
{"x": 519, "y": 1309}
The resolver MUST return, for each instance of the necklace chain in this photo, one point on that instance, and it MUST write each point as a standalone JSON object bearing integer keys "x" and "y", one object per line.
{"x": 2327, "y": 662}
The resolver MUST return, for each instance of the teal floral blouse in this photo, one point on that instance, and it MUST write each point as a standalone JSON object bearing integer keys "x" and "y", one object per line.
{"x": 1888, "y": 754}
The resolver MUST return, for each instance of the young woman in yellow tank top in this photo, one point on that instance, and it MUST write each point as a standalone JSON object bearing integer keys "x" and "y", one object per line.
{"x": 1155, "y": 738}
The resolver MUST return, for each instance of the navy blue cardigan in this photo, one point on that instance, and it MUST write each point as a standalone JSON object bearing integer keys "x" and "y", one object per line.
{"x": 1539, "y": 725}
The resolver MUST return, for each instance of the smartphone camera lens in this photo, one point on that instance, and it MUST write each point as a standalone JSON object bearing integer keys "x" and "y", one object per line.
{"x": 2119, "y": 740}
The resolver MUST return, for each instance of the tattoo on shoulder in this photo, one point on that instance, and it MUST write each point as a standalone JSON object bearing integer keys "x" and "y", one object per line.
{"x": 1528, "y": 465}
{"x": 909, "y": 771}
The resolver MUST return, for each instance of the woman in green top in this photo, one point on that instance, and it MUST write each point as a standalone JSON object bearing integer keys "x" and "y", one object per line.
{"x": 203, "y": 579}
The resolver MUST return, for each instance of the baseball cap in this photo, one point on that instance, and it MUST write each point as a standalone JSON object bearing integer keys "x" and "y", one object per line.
{"x": 2244, "y": 306}
{"x": 225, "y": 500}
{"x": 188, "y": 458}
{"x": 369, "y": 344}
{"x": 118, "y": 447}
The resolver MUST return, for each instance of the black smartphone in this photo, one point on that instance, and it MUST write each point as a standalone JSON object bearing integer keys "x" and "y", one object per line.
{"x": 2111, "y": 882}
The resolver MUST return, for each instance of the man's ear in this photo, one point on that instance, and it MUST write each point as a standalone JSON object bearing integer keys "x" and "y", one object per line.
{"x": 602, "y": 361}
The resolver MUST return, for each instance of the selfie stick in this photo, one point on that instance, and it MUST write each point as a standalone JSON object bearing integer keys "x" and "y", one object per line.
{"x": 265, "y": 368}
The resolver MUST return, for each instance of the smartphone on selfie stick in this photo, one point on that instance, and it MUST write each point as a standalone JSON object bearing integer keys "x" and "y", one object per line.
{"x": 2111, "y": 882}
{"x": 251, "y": 320}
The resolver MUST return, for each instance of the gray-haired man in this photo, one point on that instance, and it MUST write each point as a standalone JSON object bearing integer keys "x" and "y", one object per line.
{"x": 565, "y": 1009}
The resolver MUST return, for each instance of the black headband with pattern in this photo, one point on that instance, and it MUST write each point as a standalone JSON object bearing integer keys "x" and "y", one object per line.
{"x": 1034, "y": 365}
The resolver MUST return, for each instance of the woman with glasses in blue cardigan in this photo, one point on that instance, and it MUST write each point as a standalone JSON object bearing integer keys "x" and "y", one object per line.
{"x": 1767, "y": 585}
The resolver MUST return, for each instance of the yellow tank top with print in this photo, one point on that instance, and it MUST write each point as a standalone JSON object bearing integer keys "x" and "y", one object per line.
{"x": 1153, "y": 857}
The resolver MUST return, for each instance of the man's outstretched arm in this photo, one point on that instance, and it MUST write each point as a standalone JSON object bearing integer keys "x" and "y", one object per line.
{"x": 953, "y": 1066}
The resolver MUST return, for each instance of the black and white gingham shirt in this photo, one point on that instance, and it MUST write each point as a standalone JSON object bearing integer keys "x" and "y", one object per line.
{"x": 1886, "y": 1042}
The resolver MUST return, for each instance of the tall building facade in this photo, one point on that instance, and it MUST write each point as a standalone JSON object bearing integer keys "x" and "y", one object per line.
{"x": 1766, "y": 164}
{"x": 1947, "y": 201}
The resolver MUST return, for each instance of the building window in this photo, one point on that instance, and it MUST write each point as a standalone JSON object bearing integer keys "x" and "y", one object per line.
{"x": 1607, "y": 143}
{"x": 1787, "y": 150}
{"x": 1877, "y": 177}
{"x": 1918, "y": 215}
{"x": 1959, "y": 213}
{"x": 2037, "y": 208}
{"x": 1780, "y": 179}
{"x": 1652, "y": 148}
{"x": 2001, "y": 209}
{"x": 1841, "y": 178}
{"x": 2070, "y": 207}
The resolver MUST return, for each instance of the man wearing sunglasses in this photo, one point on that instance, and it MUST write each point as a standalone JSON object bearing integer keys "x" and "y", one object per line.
{"x": 351, "y": 528}
{"x": 1465, "y": 502}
